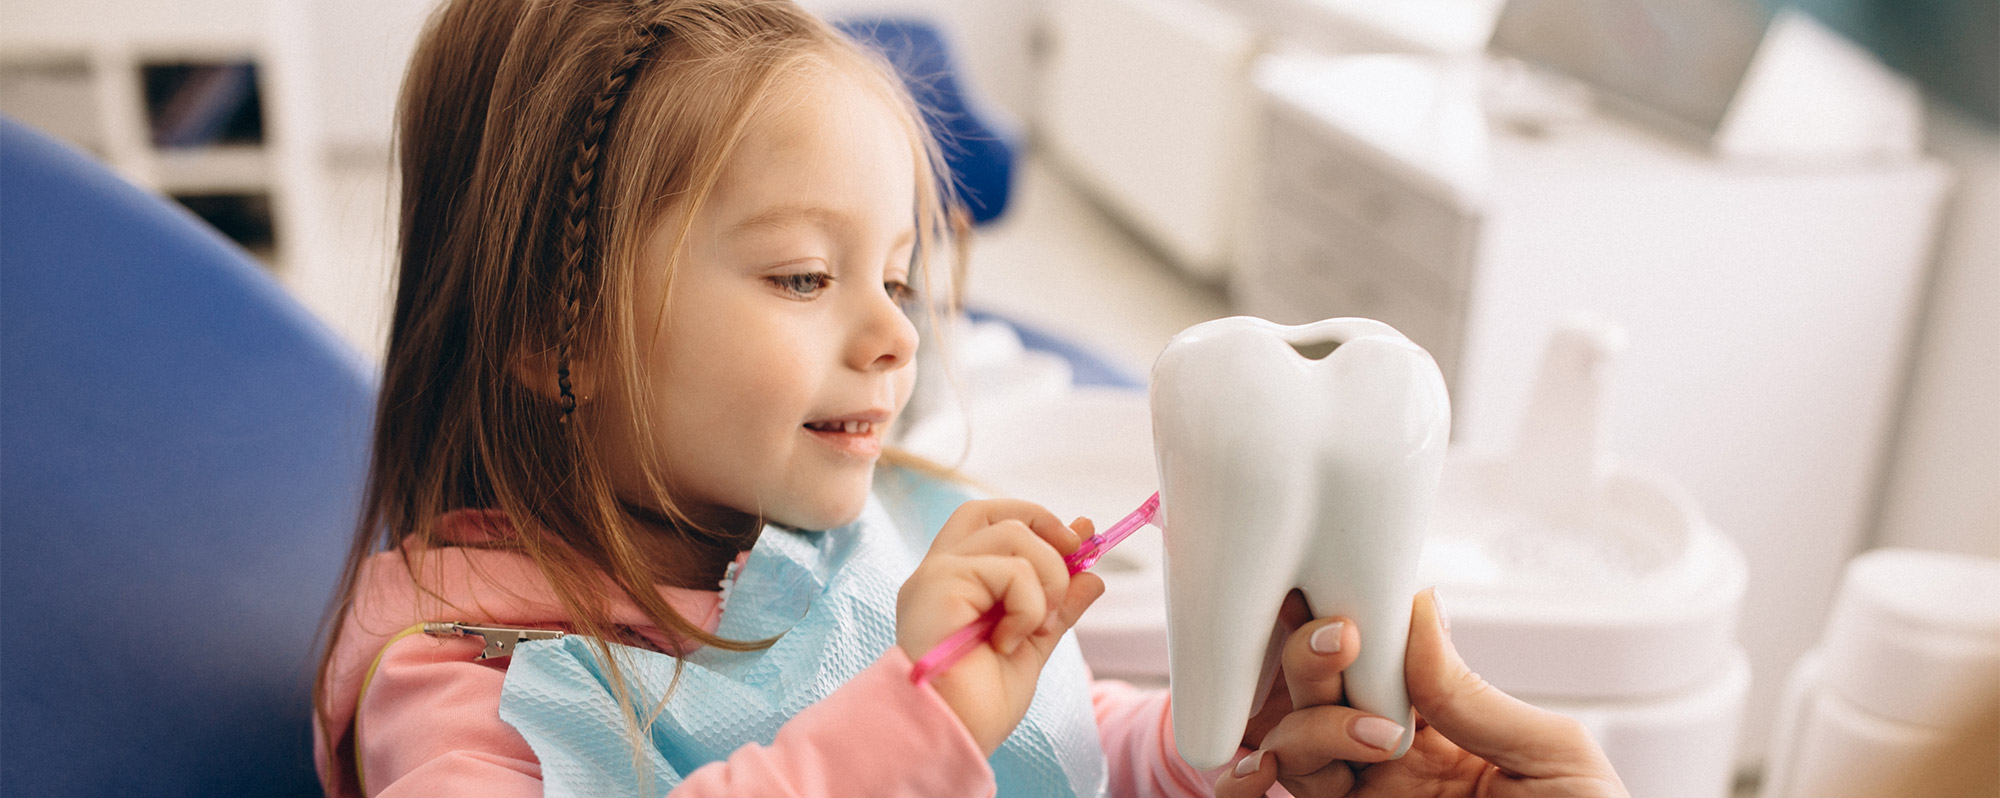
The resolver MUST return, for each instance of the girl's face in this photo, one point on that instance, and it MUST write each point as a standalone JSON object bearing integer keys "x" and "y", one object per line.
{"x": 782, "y": 352}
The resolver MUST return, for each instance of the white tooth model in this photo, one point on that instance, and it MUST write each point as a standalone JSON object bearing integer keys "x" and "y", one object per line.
{"x": 1305, "y": 457}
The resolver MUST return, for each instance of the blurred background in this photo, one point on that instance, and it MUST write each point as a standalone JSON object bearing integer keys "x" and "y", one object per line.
{"x": 1771, "y": 229}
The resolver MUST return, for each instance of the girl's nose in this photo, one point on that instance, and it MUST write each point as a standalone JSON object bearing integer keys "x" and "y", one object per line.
{"x": 887, "y": 339}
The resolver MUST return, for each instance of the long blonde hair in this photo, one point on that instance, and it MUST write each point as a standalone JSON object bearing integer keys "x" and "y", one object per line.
{"x": 541, "y": 141}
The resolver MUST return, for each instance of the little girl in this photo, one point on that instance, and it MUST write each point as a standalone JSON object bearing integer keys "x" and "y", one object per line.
{"x": 654, "y": 320}
{"x": 660, "y": 267}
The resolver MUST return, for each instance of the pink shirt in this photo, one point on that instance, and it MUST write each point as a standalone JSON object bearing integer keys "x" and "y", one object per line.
{"x": 429, "y": 722}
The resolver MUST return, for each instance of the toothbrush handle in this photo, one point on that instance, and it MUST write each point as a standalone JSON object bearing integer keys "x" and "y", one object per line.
{"x": 954, "y": 648}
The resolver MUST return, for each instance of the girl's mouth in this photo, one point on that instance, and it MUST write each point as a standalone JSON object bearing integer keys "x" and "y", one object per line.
{"x": 849, "y": 436}
{"x": 845, "y": 427}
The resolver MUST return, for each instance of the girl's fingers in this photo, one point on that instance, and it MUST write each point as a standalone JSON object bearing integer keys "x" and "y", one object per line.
{"x": 1012, "y": 582}
{"x": 1013, "y": 538}
{"x": 1084, "y": 589}
{"x": 1315, "y": 655}
{"x": 974, "y": 516}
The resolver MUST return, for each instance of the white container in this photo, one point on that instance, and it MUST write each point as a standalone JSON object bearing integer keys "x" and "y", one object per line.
{"x": 1680, "y": 745}
{"x": 1902, "y": 698}
{"x": 1915, "y": 636}
{"x": 1572, "y": 578}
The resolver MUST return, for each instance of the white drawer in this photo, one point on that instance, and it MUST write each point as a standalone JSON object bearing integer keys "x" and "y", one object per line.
{"x": 1305, "y": 274}
{"x": 1312, "y": 170}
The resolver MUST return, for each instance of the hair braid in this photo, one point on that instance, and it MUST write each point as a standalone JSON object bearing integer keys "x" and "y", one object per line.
{"x": 582, "y": 201}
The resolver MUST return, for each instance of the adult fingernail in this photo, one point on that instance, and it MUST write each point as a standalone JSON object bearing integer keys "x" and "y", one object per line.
{"x": 1327, "y": 639}
{"x": 1444, "y": 618}
{"x": 1249, "y": 764}
{"x": 1374, "y": 732}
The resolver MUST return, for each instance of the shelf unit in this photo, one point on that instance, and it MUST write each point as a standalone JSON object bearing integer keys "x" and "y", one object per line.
{"x": 79, "y": 70}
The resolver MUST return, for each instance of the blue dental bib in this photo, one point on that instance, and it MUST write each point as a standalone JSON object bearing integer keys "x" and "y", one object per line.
{"x": 832, "y": 597}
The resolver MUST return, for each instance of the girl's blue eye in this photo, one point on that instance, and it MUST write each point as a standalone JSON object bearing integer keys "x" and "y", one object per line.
{"x": 804, "y": 285}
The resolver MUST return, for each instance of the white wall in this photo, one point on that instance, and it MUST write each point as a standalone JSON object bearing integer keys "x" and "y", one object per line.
{"x": 1943, "y": 488}
{"x": 362, "y": 48}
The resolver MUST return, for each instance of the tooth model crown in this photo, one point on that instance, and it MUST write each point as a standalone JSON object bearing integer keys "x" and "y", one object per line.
{"x": 1305, "y": 457}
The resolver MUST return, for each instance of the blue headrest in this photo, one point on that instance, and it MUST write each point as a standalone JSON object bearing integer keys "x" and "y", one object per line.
{"x": 181, "y": 457}
{"x": 980, "y": 156}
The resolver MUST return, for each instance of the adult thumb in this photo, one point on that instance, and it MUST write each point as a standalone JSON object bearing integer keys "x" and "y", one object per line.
{"x": 1521, "y": 739}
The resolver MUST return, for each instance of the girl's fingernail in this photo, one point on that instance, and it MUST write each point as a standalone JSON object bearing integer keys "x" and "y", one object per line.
{"x": 1444, "y": 618}
{"x": 1249, "y": 764}
{"x": 1374, "y": 732}
{"x": 1327, "y": 639}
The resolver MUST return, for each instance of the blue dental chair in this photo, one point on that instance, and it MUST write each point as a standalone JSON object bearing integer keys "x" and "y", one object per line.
{"x": 182, "y": 451}
{"x": 980, "y": 154}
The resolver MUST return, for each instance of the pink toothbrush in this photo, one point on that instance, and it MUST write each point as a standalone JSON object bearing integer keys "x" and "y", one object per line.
{"x": 952, "y": 648}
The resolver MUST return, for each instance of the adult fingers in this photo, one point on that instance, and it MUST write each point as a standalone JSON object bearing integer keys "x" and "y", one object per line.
{"x": 1315, "y": 655}
{"x": 1520, "y": 739}
{"x": 1252, "y": 776}
{"x": 973, "y": 516}
{"x": 1310, "y": 739}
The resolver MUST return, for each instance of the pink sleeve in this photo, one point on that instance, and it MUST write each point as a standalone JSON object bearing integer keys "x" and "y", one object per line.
{"x": 430, "y": 725}
{"x": 1137, "y": 731}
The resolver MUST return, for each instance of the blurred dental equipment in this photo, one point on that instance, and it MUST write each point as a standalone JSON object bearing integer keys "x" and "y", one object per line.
{"x": 1290, "y": 457}
{"x": 1768, "y": 307}
{"x": 1902, "y": 695}
{"x": 1595, "y": 588}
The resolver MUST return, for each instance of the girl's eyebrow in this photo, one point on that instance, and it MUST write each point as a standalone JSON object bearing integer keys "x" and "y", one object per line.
{"x": 779, "y": 217}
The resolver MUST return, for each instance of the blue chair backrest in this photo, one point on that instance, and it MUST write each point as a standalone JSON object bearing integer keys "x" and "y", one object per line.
{"x": 182, "y": 451}
{"x": 980, "y": 155}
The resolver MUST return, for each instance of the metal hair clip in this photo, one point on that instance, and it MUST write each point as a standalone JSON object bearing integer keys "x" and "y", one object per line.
{"x": 500, "y": 640}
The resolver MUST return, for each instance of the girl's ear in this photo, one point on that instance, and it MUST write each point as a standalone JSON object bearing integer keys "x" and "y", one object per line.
{"x": 536, "y": 371}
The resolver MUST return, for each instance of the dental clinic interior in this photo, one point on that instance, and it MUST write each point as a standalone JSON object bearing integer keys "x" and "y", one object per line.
{"x": 1713, "y": 287}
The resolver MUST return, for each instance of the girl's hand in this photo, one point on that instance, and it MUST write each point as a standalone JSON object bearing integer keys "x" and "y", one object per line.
{"x": 1471, "y": 738}
{"x": 995, "y": 552}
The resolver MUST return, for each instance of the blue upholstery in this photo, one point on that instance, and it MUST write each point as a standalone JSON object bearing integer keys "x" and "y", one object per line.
{"x": 181, "y": 455}
{"x": 981, "y": 157}
{"x": 1087, "y": 367}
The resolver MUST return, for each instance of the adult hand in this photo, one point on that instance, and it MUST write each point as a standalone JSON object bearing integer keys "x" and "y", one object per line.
{"x": 1471, "y": 739}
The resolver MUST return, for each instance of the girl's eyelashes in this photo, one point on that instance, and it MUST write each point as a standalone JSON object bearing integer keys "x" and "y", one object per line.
{"x": 802, "y": 285}
{"x": 808, "y": 285}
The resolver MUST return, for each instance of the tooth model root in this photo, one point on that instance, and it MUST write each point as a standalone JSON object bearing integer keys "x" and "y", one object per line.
{"x": 1290, "y": 457}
